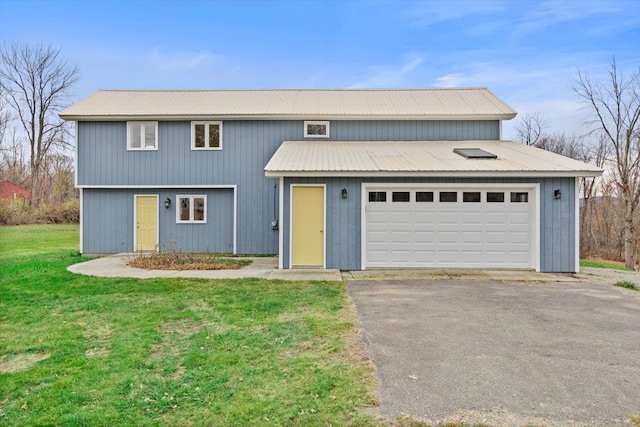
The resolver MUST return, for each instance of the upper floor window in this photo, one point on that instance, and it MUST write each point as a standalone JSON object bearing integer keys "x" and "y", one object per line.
{"x": 142, "y": 135}
{"x": 206, "y": 135}
{"x": 316, "y": 129}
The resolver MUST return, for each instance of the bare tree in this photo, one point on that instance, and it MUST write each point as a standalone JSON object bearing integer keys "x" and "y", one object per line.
{"x": 615, "y": 111}
{"x": 531, "y": 128}
{"x": 36, "y": 83}
{"x": 5, "y": 119}
{"x": 12, "y": 164}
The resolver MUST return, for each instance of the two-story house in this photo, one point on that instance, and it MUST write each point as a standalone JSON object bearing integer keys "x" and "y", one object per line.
{"x": 347, "y": 179}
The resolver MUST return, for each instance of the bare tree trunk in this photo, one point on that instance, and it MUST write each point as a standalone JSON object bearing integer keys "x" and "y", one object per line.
{"x": 34, "y": 186}
{"x": 629, "y": 235}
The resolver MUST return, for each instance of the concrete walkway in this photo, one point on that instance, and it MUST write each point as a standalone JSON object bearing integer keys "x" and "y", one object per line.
{"x": 267, "y": 268}
{"x": 260, "y": 267}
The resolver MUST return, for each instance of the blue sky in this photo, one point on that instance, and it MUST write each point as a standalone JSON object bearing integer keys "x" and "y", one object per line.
{"x": 527, "y": 52}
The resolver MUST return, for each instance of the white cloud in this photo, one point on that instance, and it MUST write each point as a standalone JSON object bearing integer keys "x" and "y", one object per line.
{"x": 435, "y": 12}
{"x": 452, "y": 80}
{"x": 545, "y": 14}
{"x": 544, "y": 88}
{"x": 182, "y": 61}
{"x": 389, "y": 75}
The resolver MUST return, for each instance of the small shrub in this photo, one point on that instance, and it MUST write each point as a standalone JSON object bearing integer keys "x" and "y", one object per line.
{"x": 186, "y": 261}
{"x": 14, "y": 212}
{"x": 627, "y": 285}
{"x": 57, "y": 213}
{"x": 18, "y": 212}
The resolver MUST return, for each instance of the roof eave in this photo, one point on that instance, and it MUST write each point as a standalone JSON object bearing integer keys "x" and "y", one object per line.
{"x": 183, "y": 117}
{"x": 432, "y": 174}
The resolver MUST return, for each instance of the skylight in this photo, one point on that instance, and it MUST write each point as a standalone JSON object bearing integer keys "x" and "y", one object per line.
{"x": 474, "y": 153}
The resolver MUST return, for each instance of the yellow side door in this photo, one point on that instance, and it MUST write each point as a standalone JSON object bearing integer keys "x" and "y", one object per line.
{"x": 307, "y": 227}
{"x": 146, "y": 223}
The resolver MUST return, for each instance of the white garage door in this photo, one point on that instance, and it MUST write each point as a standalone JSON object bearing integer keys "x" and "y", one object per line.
{"x": 455, "y": 227}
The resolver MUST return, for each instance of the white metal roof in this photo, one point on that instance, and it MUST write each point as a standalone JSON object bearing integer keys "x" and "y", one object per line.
{"x": 363, "y": 104}
{"x": 419, "y": 158}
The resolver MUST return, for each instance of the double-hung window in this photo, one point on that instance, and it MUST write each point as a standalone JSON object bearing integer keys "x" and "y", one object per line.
{"x": 206, "y": 135}
{"x": 142, "y": 135}
{"x": 191, "y": 209}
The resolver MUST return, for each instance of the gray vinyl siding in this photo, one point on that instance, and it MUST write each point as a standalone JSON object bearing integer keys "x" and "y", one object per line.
{"x": 108, "y": 218}
{"x": 343, "y": 219}
{"x": 103, "y": 160}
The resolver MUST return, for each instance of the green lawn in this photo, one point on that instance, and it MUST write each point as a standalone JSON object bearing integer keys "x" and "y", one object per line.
{"x": 78, "y": 351}
{"x": 602, "y": 264}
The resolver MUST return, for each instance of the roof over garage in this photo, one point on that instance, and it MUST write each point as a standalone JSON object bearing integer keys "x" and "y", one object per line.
{"x": 420, "y": 158}
{"x": 300, "y": 104}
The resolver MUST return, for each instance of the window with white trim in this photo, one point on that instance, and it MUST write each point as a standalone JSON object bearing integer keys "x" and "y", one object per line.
{"x": 191, "y": 209}
{"x": 316, "y": 129}
{"x": 206, "y": 135}
{"x": 142, "y": 135}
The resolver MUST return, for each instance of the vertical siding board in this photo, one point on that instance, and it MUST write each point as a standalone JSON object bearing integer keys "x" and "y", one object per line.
{"x": 247, "y": 147}
{"x": 109, "y": 217}
{"x": 247, "y": 144}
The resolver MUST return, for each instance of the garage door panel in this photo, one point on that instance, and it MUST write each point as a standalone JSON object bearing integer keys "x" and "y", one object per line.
{"x": 519, "y": 237}
{"x": 498, "y": 237}
{"x": 472, "y": 217}
{"x": 377, "y": 237}
{"x": 446, "y": 217}
{"x": 447, "y": 237}
{"x": 449, "y": 234}
{"x": 472, "y": 237}
{"x": 495, "y": 217}
{"x": 424, "y": 217}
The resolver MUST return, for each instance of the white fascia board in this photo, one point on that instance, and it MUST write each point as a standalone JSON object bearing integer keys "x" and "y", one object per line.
{"x": 191, "y": 117}
{"x": 158, "y": 186}
{"x": 452, "y": 174}
{"x": 75, "y": 154}
{"x": 281, "y": 224}
{"x": 577, "y": 224}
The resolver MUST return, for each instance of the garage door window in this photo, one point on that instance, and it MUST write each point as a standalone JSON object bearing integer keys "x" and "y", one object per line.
{"x": 424, "y": 196}
{"x": 471, "y": 197}
{"x": 448, "y": 196}
{"x": 377, "y": 196}
{"x": 400, "y": 196}
{"x": 519, "y": 197}
{"x": 495, "y": 197}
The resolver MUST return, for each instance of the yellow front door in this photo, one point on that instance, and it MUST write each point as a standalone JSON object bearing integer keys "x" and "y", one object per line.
{"x": 146, "y": 223}
{"x": 307, "y": 227}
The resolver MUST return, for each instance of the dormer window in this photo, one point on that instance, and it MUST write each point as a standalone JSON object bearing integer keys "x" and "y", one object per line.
{"x": 316, "y": 129}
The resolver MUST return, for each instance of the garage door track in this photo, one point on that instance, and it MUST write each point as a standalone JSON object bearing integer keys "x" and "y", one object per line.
{"x": 504, "y": 354}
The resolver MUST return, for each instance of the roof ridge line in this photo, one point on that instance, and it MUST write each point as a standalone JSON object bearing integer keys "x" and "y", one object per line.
{"x": 301, "y": 89}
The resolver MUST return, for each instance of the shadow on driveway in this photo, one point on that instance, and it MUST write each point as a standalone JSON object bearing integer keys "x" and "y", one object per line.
{"x": 503, "y": 354}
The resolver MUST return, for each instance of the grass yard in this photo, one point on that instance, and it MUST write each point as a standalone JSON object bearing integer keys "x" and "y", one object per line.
{"x": 596, "y": 263}
{"x": 83, "y": 351}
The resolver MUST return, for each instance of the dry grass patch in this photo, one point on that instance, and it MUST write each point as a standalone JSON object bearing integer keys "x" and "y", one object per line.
{"x": 19, "y": 362}
{"x": 186, "y": 261}
{"x": 98, "y": 335}
{"x": 174, "y": 334}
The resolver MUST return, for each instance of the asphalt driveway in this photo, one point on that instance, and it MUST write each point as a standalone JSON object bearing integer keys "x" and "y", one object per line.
{"x": 506, "y": 354}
